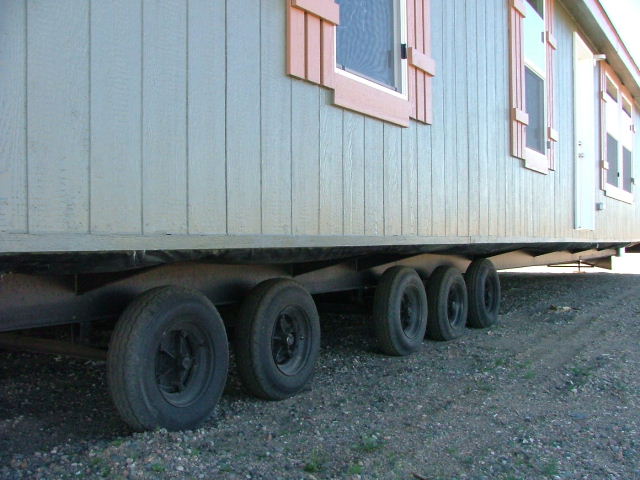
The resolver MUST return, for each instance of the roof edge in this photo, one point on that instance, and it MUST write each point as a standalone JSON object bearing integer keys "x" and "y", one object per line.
{"x": 595, "y": 21}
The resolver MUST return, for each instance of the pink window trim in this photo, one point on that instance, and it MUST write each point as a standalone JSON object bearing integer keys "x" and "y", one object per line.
{"x": 606, "y": 71}
{"x": 325, "y": 10}
{"x": 360, "y": 97}
{"x": 311, "y": 57}
{"x": 519, "y": 117}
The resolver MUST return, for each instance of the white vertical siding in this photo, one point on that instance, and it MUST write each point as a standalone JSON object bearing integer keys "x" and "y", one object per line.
{"x": 275, "y": 98}
{"x": 331, "y": 181}
{"x": 353, "y": 173}
{"x": 176, "y": 117}
{"x": 164, "y": 126}
{"x": 243, "y": 117}
{"x": 58, "y": 116}
{"x": 206, "y": 117}
{"x": 392, "y": 178}
{"x": 116, "y": 117}
{"x": 13, "y": 117}
{"x": 305, "y": 158}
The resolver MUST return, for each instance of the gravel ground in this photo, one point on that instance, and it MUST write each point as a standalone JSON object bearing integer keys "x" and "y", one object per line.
{"x": 551, "y": 391}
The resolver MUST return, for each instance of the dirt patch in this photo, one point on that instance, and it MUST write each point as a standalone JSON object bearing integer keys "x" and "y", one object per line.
{"x": 551, "y": 391}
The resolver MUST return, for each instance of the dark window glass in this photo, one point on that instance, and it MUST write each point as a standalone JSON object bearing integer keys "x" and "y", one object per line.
{"x": 534, "y": 88}
{"x": 612, "y": 90}
{"x": 366, "y": 43}
{"x": 538, "y": 6}
{"x": 626, "y": 169}
{"x": 612, "y": 159}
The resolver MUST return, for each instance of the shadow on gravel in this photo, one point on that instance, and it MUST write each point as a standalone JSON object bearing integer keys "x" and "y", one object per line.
{"x": 48, "y": 401}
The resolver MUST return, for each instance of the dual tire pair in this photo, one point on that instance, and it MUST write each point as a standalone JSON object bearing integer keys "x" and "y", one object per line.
{"x": 168, "y": 356}
{"x": 403, "y": 311}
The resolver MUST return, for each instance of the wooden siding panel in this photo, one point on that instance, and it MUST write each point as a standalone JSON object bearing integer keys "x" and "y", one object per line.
{"x": 305, "y": 158}
{"x": 353, "y": 173}
{"x": 448, "y": 78}
{"x": 392, "y": 180}
{"x": 483, "y": 120}
{"x": 116, "y": 114}
{"x": 296, "y": 165}
{"x": 409, "y": 168}
{"x": 564, "y": 108}
{"x": 331, "y": 179}
{"x": 206, "y": 117}
{"x": 493, "y": 112}
{"x": 462, "y": 107}
{"x": 473, "y": 117}
{"x": 13, "y": 118}
{"x": 58, "y": 116}
{"x": 513, "y": 167}
{"x": 164, "y": 144}
{"x": 374, "y": 177}
{"x": 438, "y": 163}
{"x": 243, "y": 118}
{"x": 424, "y": 187}
{"x": 276, "y": 128}
{"x": 502, "y": 99}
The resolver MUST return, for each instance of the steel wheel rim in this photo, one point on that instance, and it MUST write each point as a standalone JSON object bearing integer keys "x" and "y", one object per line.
{"x": 490, "y": 295}
{"x": 291, "y": 340}
{"x": 455, "y": 306}
{"x": 410, "y": 312}
{"x": 184, "y": 363}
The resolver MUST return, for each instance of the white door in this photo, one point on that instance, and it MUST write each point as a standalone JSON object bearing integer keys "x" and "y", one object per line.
{"x": 585, "y": 135}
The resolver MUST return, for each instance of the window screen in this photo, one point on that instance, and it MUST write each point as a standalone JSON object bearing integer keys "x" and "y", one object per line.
{"x": 612, "y": 159}
{"x": 626, "y": 169}
{"x": 535, "y": 49}
{"x": 367, "y": 42}
{"x": 534, "y": 88}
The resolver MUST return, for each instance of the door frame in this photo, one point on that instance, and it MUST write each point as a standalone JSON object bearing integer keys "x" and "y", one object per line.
{"x": 585, "y": 180}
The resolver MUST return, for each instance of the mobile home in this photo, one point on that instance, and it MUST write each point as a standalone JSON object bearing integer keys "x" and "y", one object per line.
{"x": 165, "y": 160}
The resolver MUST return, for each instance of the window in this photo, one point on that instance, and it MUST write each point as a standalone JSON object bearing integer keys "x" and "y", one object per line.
{"x": 532, "y": 50}
{"x": 369, "y": 41}
{"x": 374, "y": 54}
{"x": 535, "y": 66}
{"x": 616, "y": 120}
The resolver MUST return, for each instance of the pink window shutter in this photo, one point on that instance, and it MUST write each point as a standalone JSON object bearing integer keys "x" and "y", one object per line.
{"x": 519, "y": 117}
{"x": 552, "y": 133}
{"x": 311, "y": 30}
{"x": 421, "y": 67}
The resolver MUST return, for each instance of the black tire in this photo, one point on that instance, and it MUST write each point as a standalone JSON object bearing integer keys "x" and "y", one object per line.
{"x": 400, "y": 311}
{"x": 277, "y": 339}
{"x": 483, "y": 289}
{"x": 447, "y": 294}
{"x": 168, "y": 360}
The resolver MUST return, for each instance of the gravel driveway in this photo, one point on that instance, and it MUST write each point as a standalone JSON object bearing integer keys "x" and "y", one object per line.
{"x": 551, "y": 391}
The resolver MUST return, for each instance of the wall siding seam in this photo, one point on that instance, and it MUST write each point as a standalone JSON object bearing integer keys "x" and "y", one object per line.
{"x": 142, "y": 227}
{"x": 90, "y": 123}
{"x": 26, "y": 116}
{"x": 186, "y": 124}
{"x": 260, "y": 127}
